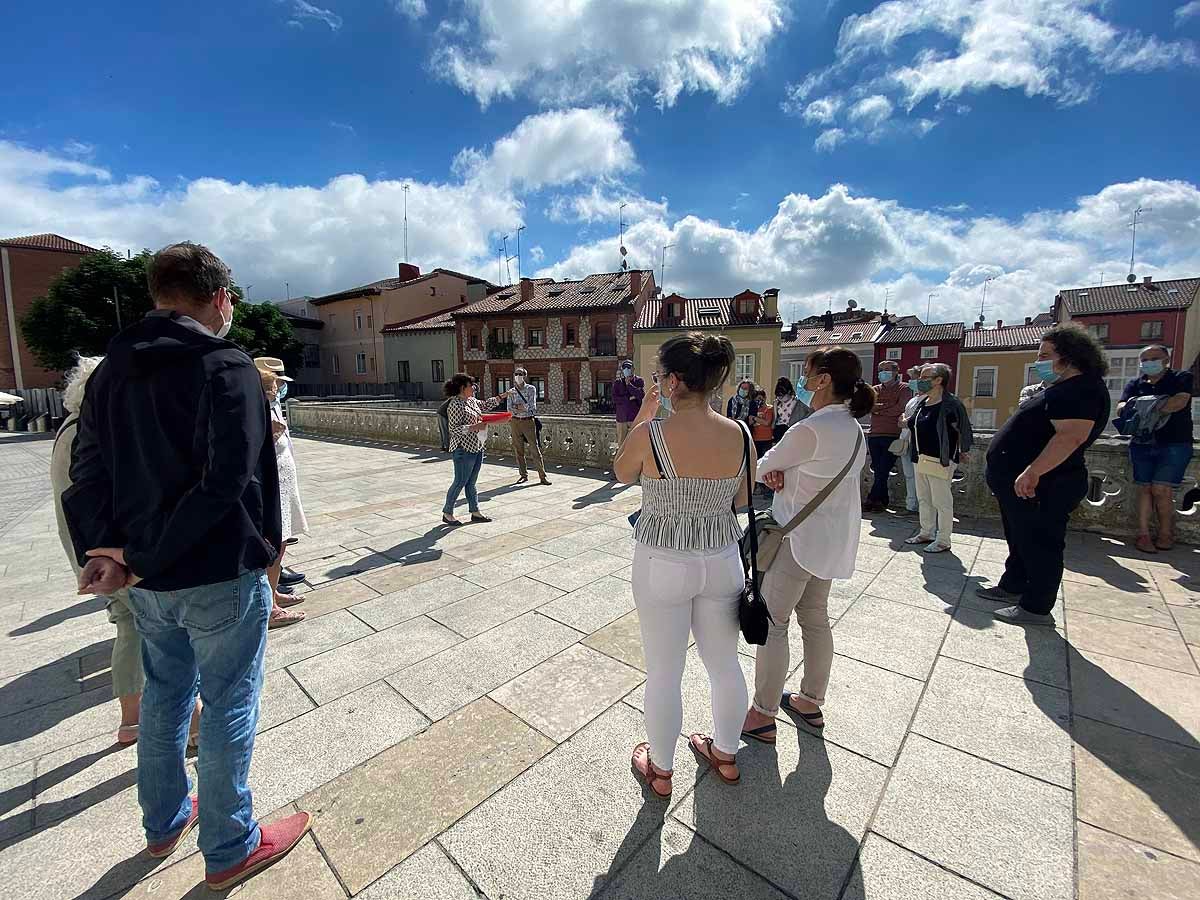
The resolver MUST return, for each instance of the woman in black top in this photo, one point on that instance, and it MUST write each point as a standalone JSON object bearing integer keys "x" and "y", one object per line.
{"x": 1036, "y": 469}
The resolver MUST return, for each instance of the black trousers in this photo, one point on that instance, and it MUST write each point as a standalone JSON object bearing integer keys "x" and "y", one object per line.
{"x": 882, "y": 461}
{"x": 1036, "y": 531}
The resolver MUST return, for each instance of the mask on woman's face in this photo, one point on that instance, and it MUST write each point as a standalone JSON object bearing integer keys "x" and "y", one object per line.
{"x": 922, "y": 385}
{"x": 282, "y": 390}
{"x": 1045, "y": 370}
{"x": 885, "y": 376}
{"x": 803, "y": 394}
{"x": 664, "y": 396}
{"x": 743, "y": 393}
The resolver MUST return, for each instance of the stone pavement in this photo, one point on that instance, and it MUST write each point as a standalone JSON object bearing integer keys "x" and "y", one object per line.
{"x": 459, "y": 708}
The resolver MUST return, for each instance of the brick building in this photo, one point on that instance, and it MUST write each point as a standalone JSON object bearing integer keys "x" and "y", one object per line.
{"x": 918, "y": 345}
{"x": 27, "y": 267}
{"x": 569, "y": 335}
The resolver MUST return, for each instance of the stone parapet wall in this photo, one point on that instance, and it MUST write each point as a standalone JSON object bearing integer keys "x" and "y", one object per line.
{"x": 591, "y": 442}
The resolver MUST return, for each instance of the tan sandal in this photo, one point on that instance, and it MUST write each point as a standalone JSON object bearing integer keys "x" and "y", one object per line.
{"x": 280, "y": 618}
{"x": 283, "y": 601}
{"x": 702, "y": 746}
{"x": 650, "y": 776}
{"x": 127, "y": 735}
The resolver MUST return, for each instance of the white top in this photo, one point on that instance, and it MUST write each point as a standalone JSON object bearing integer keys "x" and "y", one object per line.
{"x": 811, "y": 454}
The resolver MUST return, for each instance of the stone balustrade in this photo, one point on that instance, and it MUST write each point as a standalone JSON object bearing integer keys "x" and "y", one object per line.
{"x": 591, "y": 442}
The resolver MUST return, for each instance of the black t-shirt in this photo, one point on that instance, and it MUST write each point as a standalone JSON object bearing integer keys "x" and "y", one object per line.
{"x": 926, "y": 433}
{"x": 1027, "y": 432}
{"x": 1178, "y": 429}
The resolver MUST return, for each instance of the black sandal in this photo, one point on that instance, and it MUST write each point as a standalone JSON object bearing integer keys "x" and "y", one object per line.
{"x": 480, "y": 518}
{"x": 760, "y": 734}
{"x": 451, "y": 521}
{"x": 809, "y": 718}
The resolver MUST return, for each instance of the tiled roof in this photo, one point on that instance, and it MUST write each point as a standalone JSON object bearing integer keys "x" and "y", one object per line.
{"x": 388, "y": 284}
{"x": 1044, "y": 318}
{"x": 47, "y": 242}
{"x": 1008, "y": 337}
{"x": 436, "y": 322}
{"x": 842, "y": 333}
{"x": 610, "y": 289}
{"x": 922, "y": 334}
{"x": 701, "y": 312}
{"x": 1136, "y": 297}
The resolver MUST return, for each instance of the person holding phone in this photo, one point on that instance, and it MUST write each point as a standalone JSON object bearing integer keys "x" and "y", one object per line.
{"x": 628, "y": 392}
{"x": 522, "y": 403}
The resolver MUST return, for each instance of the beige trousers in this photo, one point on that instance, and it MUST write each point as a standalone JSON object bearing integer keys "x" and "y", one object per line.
{"x": 935, "y": 500}
{"x": 788, "y": 588}
{"x": 623, "y": 429}
{"x": 524, "y": 431}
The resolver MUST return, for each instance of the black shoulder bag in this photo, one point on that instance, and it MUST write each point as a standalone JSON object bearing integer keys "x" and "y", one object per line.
{"x": 753, "y": 616}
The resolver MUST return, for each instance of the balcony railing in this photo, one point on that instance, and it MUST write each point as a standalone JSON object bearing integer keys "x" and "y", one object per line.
{"x": 500, "y": 349}
{"x": 602, "y": 346}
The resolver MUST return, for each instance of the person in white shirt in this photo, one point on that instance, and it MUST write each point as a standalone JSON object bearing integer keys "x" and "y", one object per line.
{"x": 902, "y": 447}
{"x": 819, "y": 549}
{"x": 522, "y": 403}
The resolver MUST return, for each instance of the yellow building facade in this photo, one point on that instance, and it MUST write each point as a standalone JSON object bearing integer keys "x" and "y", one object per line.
{"x": 993, "y": 366}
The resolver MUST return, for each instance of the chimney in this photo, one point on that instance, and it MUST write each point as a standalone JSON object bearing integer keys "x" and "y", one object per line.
{"x": 827, "y": 320}
{"x": 1029, "y": 320}
{"x": 1145, "y": 279}
{"x": 771, "y": 303}
{"x": 526, "y": 290}
{"x": 978, "y": 325}
{"x": 999, "y": 323}
{"x": 635, "y": 283}
{"x": 408, "y": 271}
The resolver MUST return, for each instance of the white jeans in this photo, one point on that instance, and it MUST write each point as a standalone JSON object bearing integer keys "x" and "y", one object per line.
{"x": 676, "y": 592}
{"x": 936, "y": 507}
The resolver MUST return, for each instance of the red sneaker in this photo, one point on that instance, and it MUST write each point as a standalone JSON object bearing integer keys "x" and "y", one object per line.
{"x": 277, "y": 841}
{"x": 167, "y": 847}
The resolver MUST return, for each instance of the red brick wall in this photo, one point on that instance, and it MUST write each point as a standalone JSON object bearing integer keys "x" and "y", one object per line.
{"x": 1125, "y": 330}
{"x": 30, "y": 273}
{"x": 910, "y": 356}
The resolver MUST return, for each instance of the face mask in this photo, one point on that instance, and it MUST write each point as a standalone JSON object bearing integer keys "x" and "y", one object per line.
{"x": 885, "y": 376}
{"x": 1045, "y": 370}
{"x": 1152, "y": 367}
{"x": 803, "y": 394}
{"x": 283, "y": 390}
{"x": 520, "y": 380}
{"x": 743, "y": 393}
{"x": 922, "y": 385}
{"x": 627, "y": 372}
{"x": 663, "y": 400}
{"x": 226, "y": 324}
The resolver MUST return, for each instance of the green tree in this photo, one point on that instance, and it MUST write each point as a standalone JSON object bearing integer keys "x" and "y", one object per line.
{"x": 78, "y": 314}
{"x": 261, "y": 329}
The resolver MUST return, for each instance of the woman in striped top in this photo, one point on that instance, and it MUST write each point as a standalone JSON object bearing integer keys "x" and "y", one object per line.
{"x": 468, "y": 432}
{"x": 687, "y": 572}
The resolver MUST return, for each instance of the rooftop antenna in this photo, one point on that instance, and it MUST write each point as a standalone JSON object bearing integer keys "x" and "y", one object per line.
{"x": 929, "y": 305}
{"x": 1101, "y": 278}
{"x": 887, "y": 293}
{"x": 507, "y": 268}
{"x": 288, "y": 290}
{"x": 621, "y": 235}
{"x": 1138, "y": 215}
{"x": 520, "y": 228}
{"x": 983, "y": 302}
{"x": 499, "y": 265}
{"x": 405, "y": 189}
{"x": 662, "y": 278}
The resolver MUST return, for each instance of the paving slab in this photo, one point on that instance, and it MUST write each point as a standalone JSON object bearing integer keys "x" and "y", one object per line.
{"x": 1149, "y": 644}
{"x": 294, "y": 758}
{"x": 551, "y": 529}
{"x": 999, "y": 828}
{"x": 1023, "y": 725}
{"x": 1035, "y": 653}
{"x": 412, "y": 571}
{"x": 564, "y": 693}
{"x": 572, "y": 574}
{"x": 889, "y": 872}
{"x": 593, "y": 606}
{"x": 337, "y": 672}
{"x": 818, "y": 796}
{"x": 561, "y": 828}
{"x": 362, "y": 828}
{"x": 44, "y": 729}
{"x": 1137, "y": 786}
{"x": 428, "y": 874}
{"x": 1144, "y": 608}
{"x": 286, "y": 646}
{"x": 346, "y": 565}
{"x": 282, "y": 700}
{"x": 621, "y": 639}
{"x": 1158, "y": 702}
{"x": 510, "y": 567}
{"x": 1114, "y": 868}
{"x": 45, "y": 684}
{"x": 891, "y": 635}
{"x": 333, "y": 596}
{"x": 16, "y": 800}
{"x": 419, "y": 599}
{"x": 851, "y": 588}
{"x": 1188, "y": 620}
{"x": 489, "y": 608}
{"x": 465, "y": 672}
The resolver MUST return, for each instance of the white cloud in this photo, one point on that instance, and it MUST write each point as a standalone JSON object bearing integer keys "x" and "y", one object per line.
{"x": 323, "y": 237}
{"x": 342, "y": 126}
{"x": 303, "y": 10}
{"x": 828, "y": 139}
{"x": 593, "y": 49}
{"x": 870, "y": 112}
{"x": 1187, "y": 11}
{"x": 412, "y": 9}
{"x": 823, "y": 111}
{"x": 1058, "y": 49}
{"x": 823, "y": 250}
{"x": 601, "y": 203}
{"x": 552, "y": 148}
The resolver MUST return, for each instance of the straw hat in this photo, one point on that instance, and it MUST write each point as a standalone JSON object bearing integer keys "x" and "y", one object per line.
{"x": 272, "y": 364}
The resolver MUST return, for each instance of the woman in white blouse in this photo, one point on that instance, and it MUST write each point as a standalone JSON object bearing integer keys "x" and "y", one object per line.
{"x": 822, "y": 547}
{"x": 467, "y": 434}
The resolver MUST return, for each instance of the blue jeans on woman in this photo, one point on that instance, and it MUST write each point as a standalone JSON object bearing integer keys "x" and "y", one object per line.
{"x": 466, "y": 472}
{"x": 217, "y": 633}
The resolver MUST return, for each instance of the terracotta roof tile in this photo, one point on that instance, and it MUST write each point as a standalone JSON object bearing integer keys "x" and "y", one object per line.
{"x": 1007, "y": 337}
{"x": 919, "y": 334}
{"x": 388, "y": 284}
{"x": 47, "y": 242}
{"x": 700, "y": 312}
{"x": 436, "y": 322}
{"x": 604, "y": 291}
{"x": 1179, "y": 293}
{"x": 840, "y": 333}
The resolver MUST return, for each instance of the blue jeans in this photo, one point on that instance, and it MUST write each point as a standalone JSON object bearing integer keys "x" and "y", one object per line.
{"x": 466, "y": 472}
{"x": 216, "y": 633}
{"x": 1159, "y": 463}
{"x": 882, "y": 460}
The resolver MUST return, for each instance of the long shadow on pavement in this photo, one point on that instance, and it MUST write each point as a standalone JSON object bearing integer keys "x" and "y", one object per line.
{"x": 83, "y": 608}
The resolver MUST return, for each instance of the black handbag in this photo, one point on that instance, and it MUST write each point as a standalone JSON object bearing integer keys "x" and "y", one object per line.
{"x": 753, "y": 616}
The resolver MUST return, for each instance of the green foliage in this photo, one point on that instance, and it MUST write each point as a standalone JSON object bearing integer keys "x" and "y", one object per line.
{"x": 78, "y": 314}
{"x": 262, "y": 330}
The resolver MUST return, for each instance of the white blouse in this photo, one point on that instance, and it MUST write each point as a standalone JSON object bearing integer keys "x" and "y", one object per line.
{"x": 809, "y": 455}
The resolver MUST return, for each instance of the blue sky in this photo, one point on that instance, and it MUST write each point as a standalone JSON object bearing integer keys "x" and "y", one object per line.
{"x": 832, "y": 149}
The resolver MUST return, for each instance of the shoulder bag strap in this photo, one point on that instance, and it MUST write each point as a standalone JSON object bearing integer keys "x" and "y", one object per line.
{"x": 825, "y": 491}
{"x": 655, "y": 436}
{"x": 751, "y": 512}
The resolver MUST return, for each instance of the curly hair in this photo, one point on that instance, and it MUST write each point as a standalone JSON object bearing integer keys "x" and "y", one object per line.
{"x": 1078, "y": 348}
{"x": 77, "y": 379}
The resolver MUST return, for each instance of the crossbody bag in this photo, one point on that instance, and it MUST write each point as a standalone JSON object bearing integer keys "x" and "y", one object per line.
{"x": 929, "y": 466}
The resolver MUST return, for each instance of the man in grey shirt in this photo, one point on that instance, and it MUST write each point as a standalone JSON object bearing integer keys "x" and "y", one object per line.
{"x": 522, "y": 403}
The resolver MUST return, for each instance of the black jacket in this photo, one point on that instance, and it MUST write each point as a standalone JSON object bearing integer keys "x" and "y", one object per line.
{"x": 174, "y": 459}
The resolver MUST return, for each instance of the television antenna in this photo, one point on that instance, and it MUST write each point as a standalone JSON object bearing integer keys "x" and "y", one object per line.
{"x": 507, "y": 259}
{"x": 1138, "y": 215}
{"x": 887, "y": 294}
{"x": 520, "y": 228}
{"x": 621, "y": 236}
{"x": 405, "y": 189}
{"x": 929, "y": 305}
{"x": 983, "y": 302}
{"x": 662, "y": 278}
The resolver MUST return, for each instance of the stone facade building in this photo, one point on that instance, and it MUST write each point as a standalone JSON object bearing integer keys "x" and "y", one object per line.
{"x": 569, "y": 335}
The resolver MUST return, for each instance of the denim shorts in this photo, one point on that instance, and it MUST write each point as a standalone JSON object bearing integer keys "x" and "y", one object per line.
{"x": 1159, "y": 463}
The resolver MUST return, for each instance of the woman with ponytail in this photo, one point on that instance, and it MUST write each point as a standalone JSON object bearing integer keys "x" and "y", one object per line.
{"x": 826, "y": 448}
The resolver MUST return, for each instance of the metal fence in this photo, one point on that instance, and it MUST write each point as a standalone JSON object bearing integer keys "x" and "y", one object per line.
{"x": 39, "y": 402}
{"x": 399, "y": 390}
